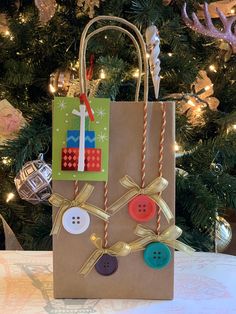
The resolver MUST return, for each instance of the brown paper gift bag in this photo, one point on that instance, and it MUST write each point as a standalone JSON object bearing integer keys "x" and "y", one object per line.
{"x": 133, "y": 278}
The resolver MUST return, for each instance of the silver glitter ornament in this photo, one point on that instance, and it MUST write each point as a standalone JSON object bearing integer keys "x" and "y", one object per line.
{"x": 33, "y": 181}
{"x": 223, "y": 234}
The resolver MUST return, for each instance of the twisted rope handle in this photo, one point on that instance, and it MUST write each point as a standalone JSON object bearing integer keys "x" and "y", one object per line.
{"x": 82, "y": 75}
{"x": 122, "y": 30}
{"x": 161, "y": 155}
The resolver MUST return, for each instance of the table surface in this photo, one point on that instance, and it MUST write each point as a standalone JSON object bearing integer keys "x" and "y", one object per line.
{"x": 205, "y": 283}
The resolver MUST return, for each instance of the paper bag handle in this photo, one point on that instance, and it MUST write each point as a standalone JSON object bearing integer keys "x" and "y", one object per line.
{"x": 82, "y": 51}
{"x": 122, "y": 30}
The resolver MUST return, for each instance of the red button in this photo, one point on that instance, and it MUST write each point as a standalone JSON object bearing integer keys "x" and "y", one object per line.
{"x": 142, "y": 208}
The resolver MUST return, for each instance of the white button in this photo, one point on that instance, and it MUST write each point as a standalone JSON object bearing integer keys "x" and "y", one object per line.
{"x": 75, "y": 220}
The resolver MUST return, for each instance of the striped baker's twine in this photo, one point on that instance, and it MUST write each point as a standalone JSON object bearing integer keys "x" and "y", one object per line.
{"x": 144, "y": 148}
{"x": 76, "y": 191}
{"x": 76, "y": 188}
{"x": 105, "y": 208}
{"x": 144, "y": 145}
{"x": 161, "y": 155}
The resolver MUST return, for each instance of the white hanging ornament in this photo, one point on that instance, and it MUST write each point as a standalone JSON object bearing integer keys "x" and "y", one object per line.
{"x": 153, "y": 48}
{"x": 33, "y": 181}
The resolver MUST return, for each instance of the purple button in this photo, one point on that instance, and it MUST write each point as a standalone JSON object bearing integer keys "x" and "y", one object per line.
{"x": 106, "y": 265}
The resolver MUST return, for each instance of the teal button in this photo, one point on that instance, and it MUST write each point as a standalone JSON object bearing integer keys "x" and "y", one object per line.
{"x": 157, "y": 255}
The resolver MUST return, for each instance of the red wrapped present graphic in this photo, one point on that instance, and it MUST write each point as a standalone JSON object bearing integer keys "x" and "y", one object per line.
{"x": 69, "y": 159}
{"x": 93, "y": 159}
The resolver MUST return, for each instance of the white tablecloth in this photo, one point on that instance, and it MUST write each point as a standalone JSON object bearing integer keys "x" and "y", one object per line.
{"x": 205, "y": 283}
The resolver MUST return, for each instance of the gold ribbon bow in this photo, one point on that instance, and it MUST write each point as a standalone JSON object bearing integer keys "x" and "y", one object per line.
{"x": 168, "y": 236}
{"x": 153, "y": 190}
{"x": 80, "y": 201}
{"x": 118, "y": 249}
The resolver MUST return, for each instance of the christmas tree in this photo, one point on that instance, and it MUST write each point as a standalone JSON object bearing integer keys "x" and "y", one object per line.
{"x": 39, "y": 42}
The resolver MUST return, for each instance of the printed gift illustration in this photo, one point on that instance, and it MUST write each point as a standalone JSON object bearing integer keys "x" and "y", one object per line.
{"x": 82, "y": 146}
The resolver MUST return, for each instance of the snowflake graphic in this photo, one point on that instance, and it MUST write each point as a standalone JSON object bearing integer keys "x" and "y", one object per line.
{"x": 101, "y": 112}
{"x": 102, "y": 137}
{"x": 62, "y": 105}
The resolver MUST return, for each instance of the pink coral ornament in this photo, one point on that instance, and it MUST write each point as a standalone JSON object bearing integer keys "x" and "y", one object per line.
{"x": 208, "y": 29}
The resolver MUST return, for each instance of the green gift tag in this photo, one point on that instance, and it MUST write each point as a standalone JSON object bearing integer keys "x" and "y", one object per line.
{"x": 66, "y": 135}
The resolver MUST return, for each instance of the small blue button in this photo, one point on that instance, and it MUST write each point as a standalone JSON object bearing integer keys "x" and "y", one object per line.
{"x": 157, "y": 255}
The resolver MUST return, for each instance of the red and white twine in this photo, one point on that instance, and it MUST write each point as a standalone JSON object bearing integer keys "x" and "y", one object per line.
{"x": 161, "y": 156}
{"x": 76, "y": 188}
{"x": 144, "y": 145}
{"x": 105, "y": 208}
